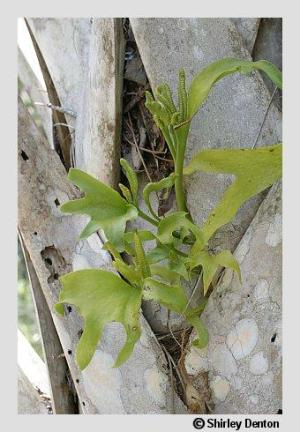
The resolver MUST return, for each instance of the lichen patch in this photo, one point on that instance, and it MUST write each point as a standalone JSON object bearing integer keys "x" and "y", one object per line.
{"x": 220, "y": 388}
{"x": 261, "y": 290}
{"x": 79, "y": 262}
{"x": 258, "y": 364}
{"x": 254, "y": 399}
{"x": 102, "y": 383}
{"x": 156, "y": 383}
{"x": 274, "y": 234}
{"x": 243, "y": 338}
{"x": 223, "y": 361}
{"x": 196, "y": 361}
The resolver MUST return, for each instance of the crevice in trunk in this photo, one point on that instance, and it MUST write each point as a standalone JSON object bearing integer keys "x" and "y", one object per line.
{"x": 139, "y": 130}
{"x": 64, "y": 398}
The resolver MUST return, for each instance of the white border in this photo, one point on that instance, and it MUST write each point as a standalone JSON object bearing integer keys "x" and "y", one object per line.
{"x": 291, "y": 288}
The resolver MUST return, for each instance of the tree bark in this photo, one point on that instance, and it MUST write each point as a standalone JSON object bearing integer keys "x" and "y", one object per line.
{"x": 82, "y": 64}
{"x": 63, "y": 395}
{"x": 142, "y": 384}
{"x": 99, "y": 121}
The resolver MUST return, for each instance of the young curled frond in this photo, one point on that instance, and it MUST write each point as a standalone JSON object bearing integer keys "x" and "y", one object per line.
{"x": 126, "y": 192}
{"x": 132, "y": 179}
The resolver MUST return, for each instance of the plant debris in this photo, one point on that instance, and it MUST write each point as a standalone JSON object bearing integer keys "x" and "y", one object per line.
{"x": 138, "y": 125}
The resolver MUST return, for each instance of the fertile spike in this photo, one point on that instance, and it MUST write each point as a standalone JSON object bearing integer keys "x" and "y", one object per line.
{"x": 182, "y": 96}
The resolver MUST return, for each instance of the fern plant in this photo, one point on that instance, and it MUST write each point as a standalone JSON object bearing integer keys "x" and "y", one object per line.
{"x": 180, "y": 247}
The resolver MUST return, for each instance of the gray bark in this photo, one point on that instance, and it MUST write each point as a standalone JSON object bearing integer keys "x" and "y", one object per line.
{"x": 32, "y": 365}
{"x": 37, "y": 94}
{"x": 268, "y": 46}
{"x": 247, "y": 28}
{"x": 243, "y": 357}
{"x": 142, "y": 384}
{"x": 33, "y": 387}
{"x": 64, "y": 43}
{"x": 62, "y": 396}
{"x": 98, "y": 124}
{"x": 62, "y": 116}
{"x": 29, "y": 401}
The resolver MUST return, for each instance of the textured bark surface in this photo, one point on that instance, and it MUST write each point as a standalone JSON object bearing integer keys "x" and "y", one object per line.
{"x": 247, "y": 28}
{"x": 98, "y": 124}
{"x": 29, "y": 401}
{"x": 62, "y": 137}
{"x": 64, "y": 43}
{"x": 32, "y": 365}
{"x": 63, "y": 396}
{"x": 32, "y": 380}
{"x": 142, "y": 384}
{"x": 269, "y": 41}
{"x": 231, "y": 117}
{"x": 34, "y": 90}
{"x": 268, "y": 46}
{"x": 243, "y": 357}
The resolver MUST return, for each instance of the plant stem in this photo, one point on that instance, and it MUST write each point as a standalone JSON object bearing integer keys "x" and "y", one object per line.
{"x": 179, "y": 190}
{"x": 147, "y": 218}
{"x": 179, "y": 139}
